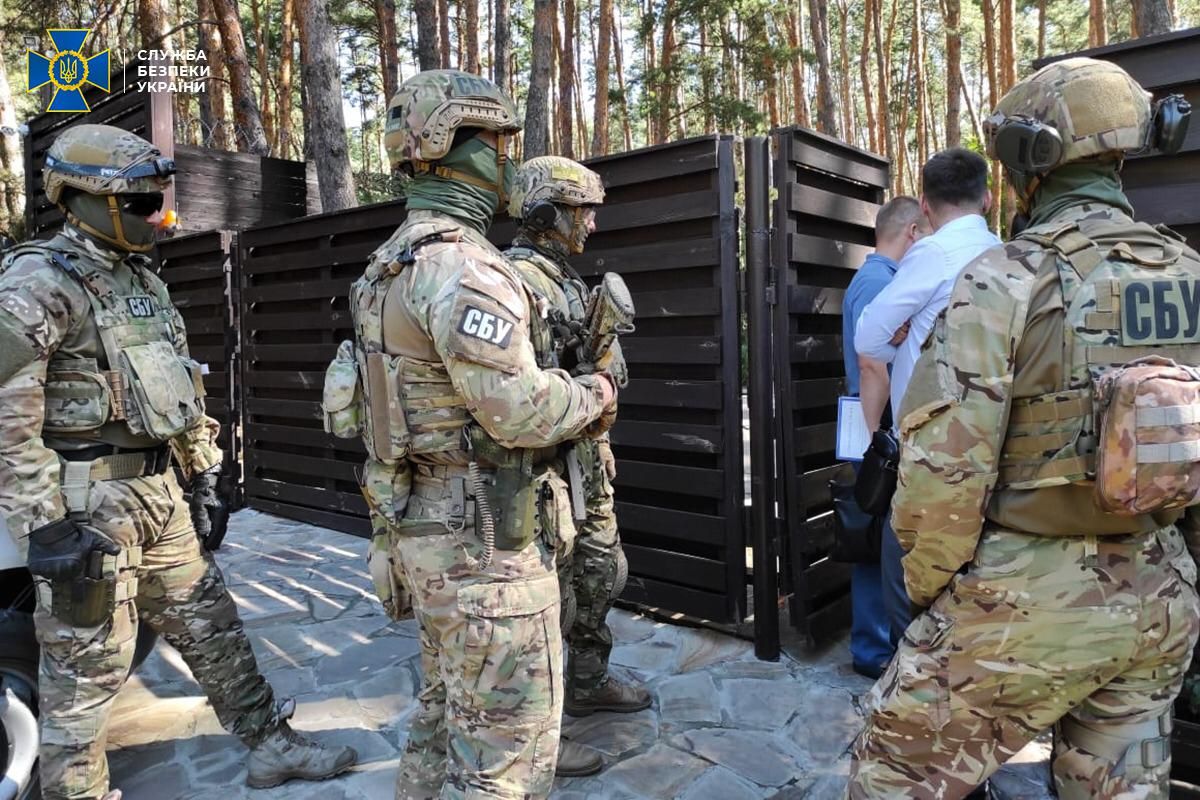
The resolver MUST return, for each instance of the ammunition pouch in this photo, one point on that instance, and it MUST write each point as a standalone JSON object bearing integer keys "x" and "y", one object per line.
{"x": 341, "y": 398}
{"x": 385, "y": 427}
{"x": 396, "y": 600}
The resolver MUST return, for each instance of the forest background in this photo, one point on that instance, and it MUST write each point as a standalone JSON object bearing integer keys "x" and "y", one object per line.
{"x": 310, "y": 79}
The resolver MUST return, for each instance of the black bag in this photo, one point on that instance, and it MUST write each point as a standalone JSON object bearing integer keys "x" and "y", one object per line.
{"x": 877, "y": 476}
{"x": 855, "y": 532}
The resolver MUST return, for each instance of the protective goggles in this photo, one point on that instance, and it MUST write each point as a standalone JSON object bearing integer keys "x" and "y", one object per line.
{"x": 153, "y": 168}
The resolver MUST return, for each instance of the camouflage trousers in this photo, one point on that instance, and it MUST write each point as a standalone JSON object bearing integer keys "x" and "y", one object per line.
{"x": 1091, "y": 635}
{"x": 178, "y": 590}
{"x": 487, "y": 722}
{"x": 593, "y": 574}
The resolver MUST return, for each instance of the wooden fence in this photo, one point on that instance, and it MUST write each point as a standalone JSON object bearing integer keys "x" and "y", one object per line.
{"x": 824, "y": 220}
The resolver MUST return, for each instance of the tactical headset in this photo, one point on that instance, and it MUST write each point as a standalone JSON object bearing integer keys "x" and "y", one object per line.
{"x": 1029, "y": 146}
{"x": 541, "y": 217}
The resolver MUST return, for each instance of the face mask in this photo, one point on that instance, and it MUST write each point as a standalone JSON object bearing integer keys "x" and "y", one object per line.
{"x": 129, "y": 231}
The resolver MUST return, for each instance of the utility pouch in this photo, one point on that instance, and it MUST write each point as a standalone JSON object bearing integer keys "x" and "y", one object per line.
{"x": 163, "y": 389}
{"x": 512, "y": 493}
{"x": 386, "y": 428}
{"x": 341, "y": 399}
{"x": 88, "y": 600}
{"x": 877, "y": 477}
{"x": 1148, "y": 459}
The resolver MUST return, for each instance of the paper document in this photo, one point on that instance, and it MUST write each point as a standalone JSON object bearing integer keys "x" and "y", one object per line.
{"x": 853, "y": 438}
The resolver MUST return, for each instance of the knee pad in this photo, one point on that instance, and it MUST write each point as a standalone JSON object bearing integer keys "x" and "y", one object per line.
{"x": 621, "y": 577}
{"x": 1133, "y": 748}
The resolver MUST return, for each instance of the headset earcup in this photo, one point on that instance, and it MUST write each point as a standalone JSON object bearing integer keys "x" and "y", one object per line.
{"x": 542, "y": 216}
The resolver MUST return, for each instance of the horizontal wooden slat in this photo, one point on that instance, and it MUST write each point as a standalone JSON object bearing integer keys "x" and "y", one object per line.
{"x": 815, "y": 300}
{"x": 678, "y": 303}
{"x": 817, "y": 393}
{"x": 652, "y": 257}
{"x": 821, "y": 347}
{"x": 807, "y": 249}
{"x": 828, "y": 205}
{"x": 668, "y": 478}
{"x": 299, "y": 437}
{"x": 672, "y": 349}
{"x": 672, "y": 524}
{"x": 303, "y": 465}
{"x": 668, "y": 436}
{"x": 692, "y": 602}
{"x": 838, "y": 159}
{"x": 702, "y": 573}
{"x": 672, "y": 393}
{"x": 306, "y": 495}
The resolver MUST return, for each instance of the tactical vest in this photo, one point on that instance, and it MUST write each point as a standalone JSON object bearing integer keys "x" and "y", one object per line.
{"x": 1129, "y": 290}
{"x": 144, "y": 383}
{"x": 401, "y": 406}
{"x": 565, "y": 301}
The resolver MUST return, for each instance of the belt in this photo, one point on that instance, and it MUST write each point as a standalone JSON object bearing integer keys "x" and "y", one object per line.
{"x": 110, "y": 462}
{"x": 104, "y": 463}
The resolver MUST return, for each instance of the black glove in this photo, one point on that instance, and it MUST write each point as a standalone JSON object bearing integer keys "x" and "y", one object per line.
{"x": 61, "y": 550}
{"x": 205, "y": 503}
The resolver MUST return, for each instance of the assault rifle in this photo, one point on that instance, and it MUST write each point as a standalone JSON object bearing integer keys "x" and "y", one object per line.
{"x": 609, "y": 314}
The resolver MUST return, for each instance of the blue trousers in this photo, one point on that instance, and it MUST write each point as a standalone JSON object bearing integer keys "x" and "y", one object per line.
{"x": 895, "y": 597}
{"x": 869, "y": 644}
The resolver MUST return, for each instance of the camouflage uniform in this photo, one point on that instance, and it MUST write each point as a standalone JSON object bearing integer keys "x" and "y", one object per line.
{"x": 95, "y": 359}
{"x": 1042, "y": 608}
{"x": 593, "y": 576}
{"x": 446, "y": 341}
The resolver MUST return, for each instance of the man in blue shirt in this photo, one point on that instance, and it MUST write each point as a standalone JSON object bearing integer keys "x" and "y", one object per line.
{"x": 898, "y": 225}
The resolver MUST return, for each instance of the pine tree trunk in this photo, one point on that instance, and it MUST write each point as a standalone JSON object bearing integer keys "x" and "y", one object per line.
{"x": 1152, "y": 17}
{"x": 603, "y": 55}
{"x": 287, "y": 146}
{"x": 1008, "y": 60}
{"x": 882, "y": 66}
{"x": 666, "y": 87}
{"x": 470, "y": 12}
{"x": 1041, "y": 40}
{"x": 1097, "y": 24}
{"x": 953, "y": 16}
{"x": 12, "y": 160}
{"x": 261, "y": 33}
{"x": 848, "y": 103}
{"x": 989, "y": 38}
{"x": 503, "y": 45}
{"x": 443, "y": 12}
{"x": 864, "y": 75}
{"x": 212, "y": 105}
{"x": 429, "y": 54}
{"x": 769, "y": 76}
{"x": 818, "y": 22}
{"x": 566, "y": 80}
{"x": 800, "y": 105}
{"x": 389, "y": 56}
{"x": 537, "y": 121}
{"x": 322, "y": 83}
{"x": 918, "y": 58}
{"x": 152, "y": 25}
{"x": 626, "y": 126}
{"x": 250, "y": 135}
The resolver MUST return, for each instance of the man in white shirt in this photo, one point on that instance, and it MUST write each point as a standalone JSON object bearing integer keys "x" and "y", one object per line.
{"x": 954, "y": 197}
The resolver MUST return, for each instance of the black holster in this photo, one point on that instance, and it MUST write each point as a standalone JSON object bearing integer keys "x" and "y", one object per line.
{"x": 88, "y": 600}
{"x": 511, "y": 491}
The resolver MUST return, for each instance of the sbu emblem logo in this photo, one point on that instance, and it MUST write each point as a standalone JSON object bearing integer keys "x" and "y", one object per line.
{"x": 68, "y": 69}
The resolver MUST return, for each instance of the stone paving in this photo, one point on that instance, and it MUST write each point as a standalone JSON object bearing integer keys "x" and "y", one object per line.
{"x": 723, "y": 726}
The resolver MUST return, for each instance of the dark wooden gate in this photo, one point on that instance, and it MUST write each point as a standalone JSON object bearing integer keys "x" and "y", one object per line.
{"x": 199, "y": 272}
{"x": 669, "y": 226}
{"x": 824, "y": 218}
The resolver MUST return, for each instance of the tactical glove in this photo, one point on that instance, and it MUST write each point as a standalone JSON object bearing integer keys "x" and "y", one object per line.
{"x": 206, "y": 505}
{"x": 61, "y": 550}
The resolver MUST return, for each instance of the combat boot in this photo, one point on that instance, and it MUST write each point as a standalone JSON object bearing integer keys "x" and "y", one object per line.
{"x": 612, "y": 695}
{"x": 285, "y": 754}
{"x": 577, "y": 760}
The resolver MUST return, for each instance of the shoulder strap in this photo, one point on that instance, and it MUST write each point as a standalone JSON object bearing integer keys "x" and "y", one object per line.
{"x": 1069, "y": 242}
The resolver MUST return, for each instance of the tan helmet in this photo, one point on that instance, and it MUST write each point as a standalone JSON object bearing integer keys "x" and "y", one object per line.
{"x": 104, "y": 160}
{"x": 1070, "y": 110}
{"x": 553, "y": 179}
{"x": 430, "y": 106}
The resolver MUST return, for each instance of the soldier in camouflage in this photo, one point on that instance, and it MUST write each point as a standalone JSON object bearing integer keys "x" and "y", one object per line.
{"x": 460, "y": 425}
{"x": 99, "y": 394}
{"x": 1041, "y": 607}
{"x": 554, "y": 201}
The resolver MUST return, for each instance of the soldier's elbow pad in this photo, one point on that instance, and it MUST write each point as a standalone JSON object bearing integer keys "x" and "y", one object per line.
{"x": 16, "y": 348}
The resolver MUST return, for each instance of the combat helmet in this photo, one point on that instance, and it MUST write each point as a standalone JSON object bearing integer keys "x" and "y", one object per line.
{"x": 547, "y": 182}
{"x": 431, "y": 106}
{"x": 1077, "y": 109}
{"x": 119, "y": 178}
